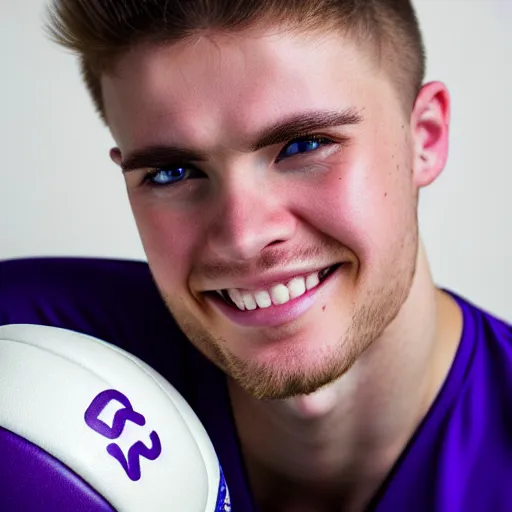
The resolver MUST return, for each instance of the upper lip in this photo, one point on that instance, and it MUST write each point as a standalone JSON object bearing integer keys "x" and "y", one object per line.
{"x": 268, "y": 280}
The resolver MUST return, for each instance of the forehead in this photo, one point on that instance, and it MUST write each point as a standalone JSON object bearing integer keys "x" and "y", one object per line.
{"x": 195, "y": 89}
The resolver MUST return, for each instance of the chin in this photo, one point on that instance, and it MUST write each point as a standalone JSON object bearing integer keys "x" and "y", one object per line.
{"x": 297, "y": 365}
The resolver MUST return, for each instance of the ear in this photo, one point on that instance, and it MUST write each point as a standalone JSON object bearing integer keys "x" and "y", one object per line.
{"x": 430, "y": 122}
{"x": 115, "y": 155}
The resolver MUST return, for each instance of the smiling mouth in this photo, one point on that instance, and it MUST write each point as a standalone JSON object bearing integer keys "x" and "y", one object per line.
{"x": 276, "y": 295}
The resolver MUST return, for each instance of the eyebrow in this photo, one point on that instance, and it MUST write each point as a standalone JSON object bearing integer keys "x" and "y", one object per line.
{"x": 285, "y": 130}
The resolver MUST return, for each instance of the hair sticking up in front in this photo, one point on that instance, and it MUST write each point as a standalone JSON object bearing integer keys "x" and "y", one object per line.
{"x": 100, "y": 31}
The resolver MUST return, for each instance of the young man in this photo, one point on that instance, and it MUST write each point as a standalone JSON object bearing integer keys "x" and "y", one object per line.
{"x": 273, "y": 154}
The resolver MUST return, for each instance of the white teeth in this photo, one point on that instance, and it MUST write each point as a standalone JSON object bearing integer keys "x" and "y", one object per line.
{"x": 312, "y": 280}
{"x": 249, "y": 301}
{"x": 280, "y": 294}
{"x": 236, "y": 297}
{"x": 297, "y": 287}
{"x": 277, "y": 294}
{"x": 263, "y": 299}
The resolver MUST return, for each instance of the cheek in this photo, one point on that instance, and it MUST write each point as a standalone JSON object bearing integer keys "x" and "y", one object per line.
{"x": 168, "y": 239}
{"x": 366, "y": 206}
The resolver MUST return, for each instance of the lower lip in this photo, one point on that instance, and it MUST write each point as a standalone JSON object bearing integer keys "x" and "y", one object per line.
{"x": 276, "y": 315}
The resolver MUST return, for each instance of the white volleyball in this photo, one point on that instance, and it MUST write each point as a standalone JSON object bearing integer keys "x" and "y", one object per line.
{"x": 110, "y": 418}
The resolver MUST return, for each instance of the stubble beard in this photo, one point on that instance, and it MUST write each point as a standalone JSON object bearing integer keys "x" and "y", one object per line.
{"x": 378, "y": 306}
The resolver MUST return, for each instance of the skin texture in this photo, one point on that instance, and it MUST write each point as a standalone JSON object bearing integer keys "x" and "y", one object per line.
{"x": 338, "y": 391}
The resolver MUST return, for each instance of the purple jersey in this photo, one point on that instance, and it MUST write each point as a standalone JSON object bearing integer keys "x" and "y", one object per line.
{"x": 459, "y": 460}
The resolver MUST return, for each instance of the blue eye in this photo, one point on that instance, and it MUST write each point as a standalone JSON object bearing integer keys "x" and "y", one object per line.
{"x": 300, "y": 146}
{"x": 166, "y": 176}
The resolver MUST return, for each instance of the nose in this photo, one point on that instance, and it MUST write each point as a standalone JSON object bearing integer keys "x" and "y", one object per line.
{"x": 248, "y": 219}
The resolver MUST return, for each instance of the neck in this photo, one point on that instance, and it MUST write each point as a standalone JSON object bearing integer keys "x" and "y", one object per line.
{"x": 340, "y": 442}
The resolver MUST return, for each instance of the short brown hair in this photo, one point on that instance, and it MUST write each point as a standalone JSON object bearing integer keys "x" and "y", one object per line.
{"x": 99, "y": 31}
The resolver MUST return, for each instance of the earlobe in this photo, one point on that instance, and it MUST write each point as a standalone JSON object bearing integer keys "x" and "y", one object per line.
{"x": 430, "y": 129}
{"x": 115, "y": 155}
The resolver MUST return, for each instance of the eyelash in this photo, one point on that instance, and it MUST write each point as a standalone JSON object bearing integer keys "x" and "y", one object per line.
{"x": 151, "y": 174}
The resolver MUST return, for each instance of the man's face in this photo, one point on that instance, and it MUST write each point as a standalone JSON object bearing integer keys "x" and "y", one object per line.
{"x": 321, "y": 212}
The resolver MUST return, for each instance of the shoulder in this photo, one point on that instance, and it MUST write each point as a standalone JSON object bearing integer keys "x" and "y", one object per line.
{"x": 33, "y": 275}
{"x": 487, "y": 329}
{"x": 487, "y": 343}
{"x": 52, "y": 288}
{"x": 114, "y": 300}
{"x": 480, "y": 424}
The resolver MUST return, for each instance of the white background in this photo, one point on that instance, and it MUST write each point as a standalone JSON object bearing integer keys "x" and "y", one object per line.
{"x": 61, "y": 195}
